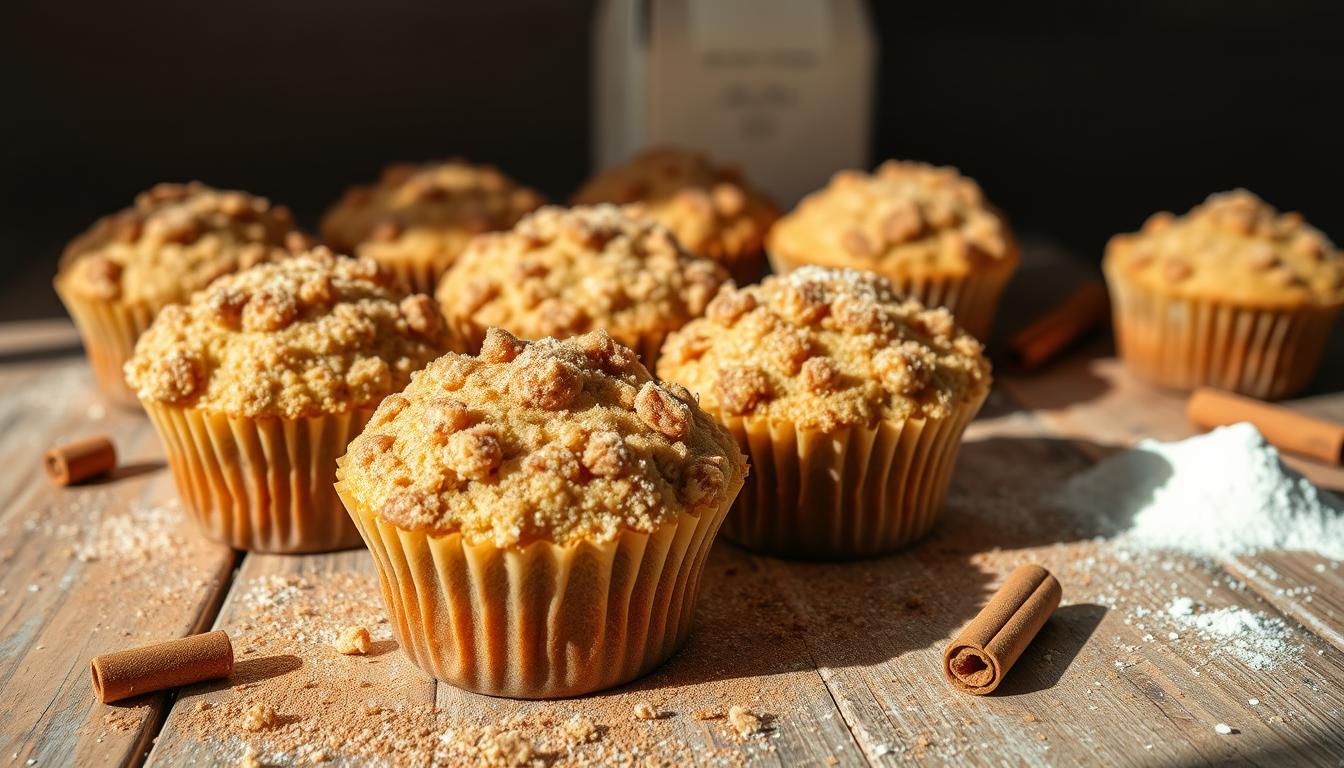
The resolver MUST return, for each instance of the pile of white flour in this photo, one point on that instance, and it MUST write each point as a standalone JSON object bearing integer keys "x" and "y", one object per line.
{"x": 1215, "y": 495}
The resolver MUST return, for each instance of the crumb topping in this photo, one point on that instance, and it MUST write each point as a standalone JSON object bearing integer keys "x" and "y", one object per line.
{"x": 915, "y": 217}
{"x": 562, "y": 272}
{"x": 544, "y": 440}
{"x": 426, "y": 210}
{"x": 825, "y": 349}
{"x": 175, "y": 240}
{"x": 1233, "y": 245}
{"x": 314, "y": 333}
{"x": 710, "y": 208}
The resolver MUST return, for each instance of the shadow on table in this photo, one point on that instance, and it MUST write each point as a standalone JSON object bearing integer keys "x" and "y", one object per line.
{"x": 1053, "y": 651}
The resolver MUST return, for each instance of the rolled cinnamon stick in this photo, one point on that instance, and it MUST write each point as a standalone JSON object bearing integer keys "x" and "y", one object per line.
{"x": 1290, "y": 431}
{"x": 1039, "y": 342}
{"x": 155, "y": 667}
{"x": 79, "y": 461}
{"x": 977, "y": 661}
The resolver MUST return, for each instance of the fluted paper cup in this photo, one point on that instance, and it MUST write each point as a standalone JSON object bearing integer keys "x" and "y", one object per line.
{"x": 419, "y": 274}
{"x": 973, "y": 298}
{"x": 856, "y": 492}
{"x": 263, "y": 485}
{"x": 1264, "y": 352}
{"x": 543, "y": 620}
{"x": 109, "y": 330}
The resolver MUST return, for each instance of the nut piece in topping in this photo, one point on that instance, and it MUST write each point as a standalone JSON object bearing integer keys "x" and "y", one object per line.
{"x": 353, "y": 641}
{"x": 500, "y": 346}
{"x": 662, "y": 411}
{"x": 549, "y": 383}
{"x": 606, "y": 454}
{"x": 474, "y": 453}
{"x": 740, "y": 390}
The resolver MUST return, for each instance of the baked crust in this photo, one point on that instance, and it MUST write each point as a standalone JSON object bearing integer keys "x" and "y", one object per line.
{"x": 711, "y": 209}
{"x": 312, "y": 334}
{"x": 1234, "y": 247}
{"x": 547, "y": 440}
{"x": 825, "y": 348}
{"x": 565, "y": 271}
{"x": 175, "y": 240}
{"x": 905, "y": 218}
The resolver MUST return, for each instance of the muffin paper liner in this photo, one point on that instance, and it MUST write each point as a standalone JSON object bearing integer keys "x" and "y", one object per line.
{"x": 109, "y": 331}
{"x": 855, "y": 492}
{"x": 263, "y": 485}
{"x": 543, "y": 620}
{"x": 419, "y": 275}
{"x": 1265, "y": 353}
{"x": 467, "y": 336}
{"x": 973, "y": 299}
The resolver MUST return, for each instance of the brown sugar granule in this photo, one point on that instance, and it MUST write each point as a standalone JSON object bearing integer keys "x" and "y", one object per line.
{"x": 743, "y": 721}
{"x": 259, "y": 717}
{"x": 352, "y": 641}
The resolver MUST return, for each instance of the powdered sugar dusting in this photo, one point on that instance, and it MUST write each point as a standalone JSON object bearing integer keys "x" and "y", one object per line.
{"x": 1215, "y": 495}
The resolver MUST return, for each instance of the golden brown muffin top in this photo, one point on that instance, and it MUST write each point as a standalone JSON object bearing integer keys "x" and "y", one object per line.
{"x": 547, "y": 440}
{"x": 908, "y": 217}
{"x": 425, "y": 210}
{"x": 710, "y": 208}
{"x": 174, "y": 241}
{"x": 565, "y": 271}
{"x": 312, "y": 334}
{"x": 1233, "y": 246}
{"x": 824, "y": 349}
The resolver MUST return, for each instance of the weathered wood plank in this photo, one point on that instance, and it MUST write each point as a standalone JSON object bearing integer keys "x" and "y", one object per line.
{"x": 86, "y": 570}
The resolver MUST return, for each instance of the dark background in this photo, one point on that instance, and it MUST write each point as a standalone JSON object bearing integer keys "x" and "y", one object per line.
{"x": 1079, "y": 120}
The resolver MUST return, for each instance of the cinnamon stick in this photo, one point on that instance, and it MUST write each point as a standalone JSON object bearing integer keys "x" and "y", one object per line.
{"x": 155, "y": 667}
{"x": 79, "y": 461}
{"x": 1288, "y": 430}
{"x": 1039, "y": 342}
{"x": 977, "y": 661}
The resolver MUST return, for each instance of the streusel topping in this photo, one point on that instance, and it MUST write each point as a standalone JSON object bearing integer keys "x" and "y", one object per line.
{"x": 565, "y": 271}
{"x": 913, "y": 217}
{"x": 1234, "y": 246}
{"x": 824, "y": 348}
{"x": 546, "y": 440}
{"x": 427, "y": 209}
{"x": 175, "y": 240}
{"x": 312, "y": 334}
{"x": 710, "y": 208}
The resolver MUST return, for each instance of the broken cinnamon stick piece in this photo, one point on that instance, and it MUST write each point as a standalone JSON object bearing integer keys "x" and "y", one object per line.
{"x": 977, "y": 661}
{"x": 79, "y": 461}
{"x": 1288, "y": 430}
{"x": 155, "y": 667}
{"x": 1039, "y": 342}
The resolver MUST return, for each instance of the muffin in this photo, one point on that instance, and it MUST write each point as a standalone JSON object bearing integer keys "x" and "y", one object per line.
{"x": 928, "y": 230}
{"x": 710, "y": 208}
{"x": 849, "y": 401}
{"x": 1233, "y": 295}
{"x": 540, "y": 515}
{"x": 177, "y": 238}
{"x": 257, "y": 385}
{"x": 563, "y": 272}
{"x": 418, "y": 218}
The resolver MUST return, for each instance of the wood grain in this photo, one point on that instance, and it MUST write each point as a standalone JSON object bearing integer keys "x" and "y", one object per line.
{"x": 71, "y": 585}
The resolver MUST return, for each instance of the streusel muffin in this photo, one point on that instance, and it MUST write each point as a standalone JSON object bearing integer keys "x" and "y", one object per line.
{"x": 562, "y": 272}
{"x": 116, "y": 276}
{"x": 711, "y": 209}
{"x": 928, "y": 230}
{"x": 257, "y": 385}
{"x": 1233, "y": 294}
{"x": 540, "y": 515}
{"x": 418, "y": 217}
{"x": 849, "y": 401}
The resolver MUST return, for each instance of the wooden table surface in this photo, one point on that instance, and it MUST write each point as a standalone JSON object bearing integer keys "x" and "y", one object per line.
{"x": 841, "y": 660}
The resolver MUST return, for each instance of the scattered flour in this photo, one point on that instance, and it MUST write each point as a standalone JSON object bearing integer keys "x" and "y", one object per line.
{"x": 1214, "y": 495}
{"x": 1261, "y": 641}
